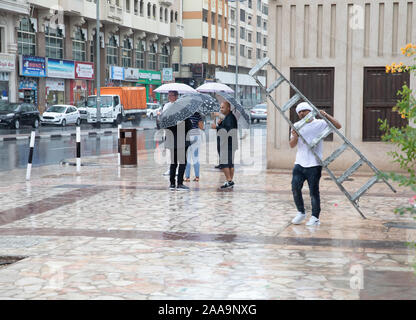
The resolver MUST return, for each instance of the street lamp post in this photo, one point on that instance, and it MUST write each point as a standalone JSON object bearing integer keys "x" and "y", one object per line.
{"x": 98, "y": 69}
{"x": 237, "y": 96}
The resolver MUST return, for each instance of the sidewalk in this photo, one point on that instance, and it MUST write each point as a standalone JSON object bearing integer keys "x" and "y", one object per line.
{"x": 118, "y": 233}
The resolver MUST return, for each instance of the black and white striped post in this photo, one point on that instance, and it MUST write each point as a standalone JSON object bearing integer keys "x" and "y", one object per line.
{"x": 78, "y": 140}
{"x": 119, "y": 146}
{"x": 29, "y": 162}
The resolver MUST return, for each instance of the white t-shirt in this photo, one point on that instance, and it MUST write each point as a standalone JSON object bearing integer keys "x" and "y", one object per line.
{"x": 310, "y": 131}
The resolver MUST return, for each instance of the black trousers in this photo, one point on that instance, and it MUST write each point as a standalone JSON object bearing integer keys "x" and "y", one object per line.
{"x": 312, "y": 175}
{"x": 174, "y": 165}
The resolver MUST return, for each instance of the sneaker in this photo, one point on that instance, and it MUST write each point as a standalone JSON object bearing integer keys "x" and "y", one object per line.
{"x": 181, "y": 187}
{"x": 299, "y": 218}
{"x": 172, "y": 187}
{"x": 313, "y": 221}
{"x": 227, "y": 185}
{"x": 218, "y": 167}
{"x": 167, "y": 173}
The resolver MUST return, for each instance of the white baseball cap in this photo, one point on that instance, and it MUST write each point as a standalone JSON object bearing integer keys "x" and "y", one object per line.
{"x": 303, "y": 106}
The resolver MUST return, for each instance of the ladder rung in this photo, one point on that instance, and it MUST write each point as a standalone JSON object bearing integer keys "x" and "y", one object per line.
{"x": 258, "y": 66}
{"x": 275, "y": 84}
{"x": 291, "y": 102}
{"x": 364, "y": 188}
{"x": 335, "y": 154}
{"x": 298, "y": 125}
{"x": 323, "y": 135}
{"x": 350, "y": 171}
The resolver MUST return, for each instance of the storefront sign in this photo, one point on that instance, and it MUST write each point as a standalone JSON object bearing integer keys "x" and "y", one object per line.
{"x": 150, "y": 77}
{"x": 31, "y": 66}
{"x": 116, "y": 73}
{"x": 7, "y": 62}
{"x": 131, "y": 74}
{"x": 55, "y": 85}
{"x": 61, "y": 69}
{"x": 28, "y": 84}
{"x": 167, "y": 74}
{"x": 84, "y": 70}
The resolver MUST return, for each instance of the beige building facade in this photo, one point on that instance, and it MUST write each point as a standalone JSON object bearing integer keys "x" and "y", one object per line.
{"x": 137, "y": 41}
{"x": 335, "y": 52}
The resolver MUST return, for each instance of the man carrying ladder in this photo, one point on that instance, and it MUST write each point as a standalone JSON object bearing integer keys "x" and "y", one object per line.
{"x": 306, "y": 165}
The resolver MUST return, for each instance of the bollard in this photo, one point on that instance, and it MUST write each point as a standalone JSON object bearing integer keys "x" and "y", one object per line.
{"x": 78, "y": 140}
{"x": 29, "y": 162}
{"x": 119, "y": 146}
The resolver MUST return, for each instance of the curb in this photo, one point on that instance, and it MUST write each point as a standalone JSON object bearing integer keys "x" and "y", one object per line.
{"x": 65, "y": 135}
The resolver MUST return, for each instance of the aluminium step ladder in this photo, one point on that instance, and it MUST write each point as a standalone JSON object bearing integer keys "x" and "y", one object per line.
{"x": 298, "y": 97}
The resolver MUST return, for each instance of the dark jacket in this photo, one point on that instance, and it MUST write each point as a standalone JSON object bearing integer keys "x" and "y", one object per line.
{"x": 176, "y": 135}
{"x": 229, "y": 124}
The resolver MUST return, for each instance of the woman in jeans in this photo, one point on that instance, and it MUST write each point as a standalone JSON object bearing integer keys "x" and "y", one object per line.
{"x": 193, "y": 150}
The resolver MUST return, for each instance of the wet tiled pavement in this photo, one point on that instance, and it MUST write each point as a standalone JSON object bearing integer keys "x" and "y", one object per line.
{"x": 113, "y": 233}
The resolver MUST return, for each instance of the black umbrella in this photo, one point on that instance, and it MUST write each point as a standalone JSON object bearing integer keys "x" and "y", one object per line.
{"x": 237, "y": 109}
{"x": 185, "y": 107}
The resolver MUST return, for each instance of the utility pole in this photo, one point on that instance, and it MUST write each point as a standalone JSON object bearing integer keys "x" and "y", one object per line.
{"x": 237, "y": 47}
{"x": 98, "y": 69}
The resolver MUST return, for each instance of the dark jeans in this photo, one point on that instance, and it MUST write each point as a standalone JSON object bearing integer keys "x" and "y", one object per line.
{"x": 174, "y": 164}
{"x": 312, "y": 175}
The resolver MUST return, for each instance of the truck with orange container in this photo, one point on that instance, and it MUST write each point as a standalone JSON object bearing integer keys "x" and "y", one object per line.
{"x": 118, "y": 104}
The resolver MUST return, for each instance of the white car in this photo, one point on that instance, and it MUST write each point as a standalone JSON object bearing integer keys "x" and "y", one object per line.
{"x": 82, "y": 111}
{"x": 152, "y": 110}
{"x": 61, "y": 115}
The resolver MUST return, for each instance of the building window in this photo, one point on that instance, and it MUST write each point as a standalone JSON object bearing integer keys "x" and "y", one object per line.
{"x": 242, "y": 33}
{"x": 249, "y": 36}
{"x": 249, "y": 54}
{"x": 176, "y": 16}
{"x": 164, "y": 57}
{"x": 54, "y": 43}
{"x": 258, "y": 21}
{"x": 112, "y": 51}
{"x": 175, "y": 67}
{"x": 205, "y": 42}
{"x": 92, "y": 50}
{"x": 204, "y": 15}
{"x": 161, "y": 14}
{"x": 265, "y": 10}
{"x": 127, "y": 6}
{"x": 259, "y": 5}
{"x": 242, "y": 50}
{"x": 140, "y": 55}
{"x": 242, "y": 15}
{"x": 250, "y": 4}
{"x": 26, "y": 37}
{"x": 265, "y": 41}
{"x": 265, "y": 25}
{"x": 126, "y": 54}
{"x": 258, "y": 55}
{"x": 149, "y": 10}
{"x": 154, "y": 12}
{"x": 152, "y": 57}
{"x": 166, "y": 15}
{"x": 79, "y": 51}
{"x": 232, "y": 50}
{"x": 2, "y": 39}
{"x": 258, "y": 37}
{"x": 212, "y": 18}
{"x": 171, "y": 16}
{"x": 232, "y": 15}
{"x": 232, "y": 32}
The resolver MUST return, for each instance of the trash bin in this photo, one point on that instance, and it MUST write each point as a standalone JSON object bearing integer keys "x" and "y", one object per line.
{"x": 128, "y": 147}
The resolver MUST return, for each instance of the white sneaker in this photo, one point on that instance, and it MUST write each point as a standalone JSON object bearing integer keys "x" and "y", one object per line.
{"x": 167, "y": 173}
{"x": 313, "y": 221}
{"x": 299, "y": 218}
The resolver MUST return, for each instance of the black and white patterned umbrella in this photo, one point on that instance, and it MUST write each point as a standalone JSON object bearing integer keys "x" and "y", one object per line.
{"x": 185, "y": 107}
{"x": 237, "y": 109}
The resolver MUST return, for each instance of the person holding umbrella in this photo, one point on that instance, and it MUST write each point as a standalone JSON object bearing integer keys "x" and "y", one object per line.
{"x": 176, "y": 121}
{"x": 227, "y": 132}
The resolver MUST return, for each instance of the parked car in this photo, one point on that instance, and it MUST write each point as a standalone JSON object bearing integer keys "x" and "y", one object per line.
{"x": 259, "y": 112}
{"x": 152, "y": 109}
{"x": 61, "y": 115}
{"x": 15, "y": 115}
